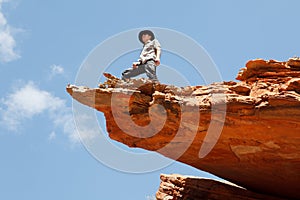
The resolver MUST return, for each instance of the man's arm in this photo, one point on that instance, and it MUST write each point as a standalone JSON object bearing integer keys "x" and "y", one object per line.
{"x": 158, "y": 53}
{"x": 157, "y": 59}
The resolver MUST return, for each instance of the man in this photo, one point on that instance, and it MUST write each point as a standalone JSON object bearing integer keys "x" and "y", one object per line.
{"x": 149, "y": 57}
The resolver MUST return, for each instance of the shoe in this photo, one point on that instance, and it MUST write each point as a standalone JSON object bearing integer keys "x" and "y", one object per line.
{"x": 154, "y": 81}
{"x": 125, "y": 79}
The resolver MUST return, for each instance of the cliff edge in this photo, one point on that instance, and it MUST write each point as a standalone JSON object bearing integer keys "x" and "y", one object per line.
{"x": 258, "y": 147}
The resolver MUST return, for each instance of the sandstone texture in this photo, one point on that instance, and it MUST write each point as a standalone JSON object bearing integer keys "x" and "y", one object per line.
{"x": 255, "y": 123}
{"x": 178, "y": 187}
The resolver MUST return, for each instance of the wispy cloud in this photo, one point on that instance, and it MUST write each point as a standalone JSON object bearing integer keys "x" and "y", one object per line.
{"x": 29, "y": 101}
{"x": 7, "y": 41}
{"x": 52, "y": 136}
{"x": 56, "y": 70}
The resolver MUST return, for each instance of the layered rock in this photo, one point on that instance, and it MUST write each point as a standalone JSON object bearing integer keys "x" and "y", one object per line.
{"x": 178, "y": 187}
{"x": 257, "y": 146}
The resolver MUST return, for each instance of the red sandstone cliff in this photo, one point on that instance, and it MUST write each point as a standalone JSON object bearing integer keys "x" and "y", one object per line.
{"x": 178, "y": 187}
{"x": 258, "y": 147}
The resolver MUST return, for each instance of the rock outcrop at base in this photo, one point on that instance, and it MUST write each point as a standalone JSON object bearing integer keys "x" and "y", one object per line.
{"x": 178, "y": 187}
{"x": 257, "y": 146}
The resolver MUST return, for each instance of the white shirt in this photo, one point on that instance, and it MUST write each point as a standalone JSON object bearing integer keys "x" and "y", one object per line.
{"x": 149, "y": 50}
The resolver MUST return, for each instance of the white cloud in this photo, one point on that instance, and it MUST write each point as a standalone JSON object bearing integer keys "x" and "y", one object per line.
{"x": 28, "y": 102}
{"x": 7, "y": 41}
{"x": 86, "y": 127}
{"x": 56, "y": 70}
{"x": 52, "y": 136}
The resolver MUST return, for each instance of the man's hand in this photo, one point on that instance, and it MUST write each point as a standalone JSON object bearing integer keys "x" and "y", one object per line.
{"x": 135, "y": 65}
{"x": 157, "y": 62}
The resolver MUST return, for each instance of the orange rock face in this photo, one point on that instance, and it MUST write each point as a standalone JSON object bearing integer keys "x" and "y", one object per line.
{"x": 178, "y": 187}
{"x": 258, "y": 144}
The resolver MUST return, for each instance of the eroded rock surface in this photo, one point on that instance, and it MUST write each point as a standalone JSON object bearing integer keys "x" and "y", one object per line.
{"x": 258, "y": 144}
{"x": 178, "y": 187}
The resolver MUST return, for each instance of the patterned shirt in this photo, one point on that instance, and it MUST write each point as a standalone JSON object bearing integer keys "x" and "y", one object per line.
{"x": 149, "y": 51}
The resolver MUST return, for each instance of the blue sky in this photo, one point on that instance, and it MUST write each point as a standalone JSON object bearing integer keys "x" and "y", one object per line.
{"x": 42, "y": 45}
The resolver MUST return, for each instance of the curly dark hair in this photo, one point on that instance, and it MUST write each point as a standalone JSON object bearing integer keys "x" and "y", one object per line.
{"x": 146, "y": 32}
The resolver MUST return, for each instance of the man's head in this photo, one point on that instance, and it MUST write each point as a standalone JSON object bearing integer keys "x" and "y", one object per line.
{"x": 146, "y": 35}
